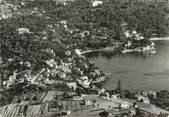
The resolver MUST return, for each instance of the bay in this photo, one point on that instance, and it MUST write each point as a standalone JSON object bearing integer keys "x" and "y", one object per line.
{"x": 135, "y": 70}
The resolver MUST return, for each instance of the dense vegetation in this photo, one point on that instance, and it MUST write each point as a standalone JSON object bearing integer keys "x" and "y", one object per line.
{"x": 147, "y": 17}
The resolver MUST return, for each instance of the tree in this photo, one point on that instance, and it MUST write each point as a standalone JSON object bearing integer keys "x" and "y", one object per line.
{"x": 104, "y": 114}
{"x": 119, "y": 88}
{"x": 66, "y": 95}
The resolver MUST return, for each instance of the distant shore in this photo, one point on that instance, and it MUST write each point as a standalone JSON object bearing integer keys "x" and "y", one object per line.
{"x": 160, "y": 39}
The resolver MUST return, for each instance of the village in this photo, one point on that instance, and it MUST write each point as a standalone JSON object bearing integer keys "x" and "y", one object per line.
{"x": 51, "y": 73}
{"x": 103, "y": 103}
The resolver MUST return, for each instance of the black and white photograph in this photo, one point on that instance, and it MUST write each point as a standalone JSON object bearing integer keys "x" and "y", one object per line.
{"x": 84, "y": 58}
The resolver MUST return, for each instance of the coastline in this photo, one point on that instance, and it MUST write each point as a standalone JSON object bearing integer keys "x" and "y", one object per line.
{"x": 113, "y": 49}
{"x": 159, "y": 39}
{"x": 106, "y": 49}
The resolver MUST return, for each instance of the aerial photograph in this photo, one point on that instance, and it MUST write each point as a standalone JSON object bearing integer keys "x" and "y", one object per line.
{"x": 84, "y": 58}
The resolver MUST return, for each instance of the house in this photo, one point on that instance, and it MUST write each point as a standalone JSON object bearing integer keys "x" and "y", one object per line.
{"x": 91, "y": 97}
{"x": 125, "y": 105}
{"x": 88, "y": 102}
{"x": 62, "y": 75}
{"x": 64, "y": 24}
{"x": 50, "y": 62}
{"x": 128, "y": 43}
{"x": 96, "y": 3}
{"x": 77, "y": 98}
{"x": 127, "y": 34}
{"x": 152, "y": 93}
{"x": 100, "y": 91}
{"x": 106, "y": 95}
{"x": 72, "y": 85}
{"x": 84, "y": 34}
{"x": 23, "y": 30}
{"x": 84, "y": 81}
{"x": 99, "y": 102}
{"x": 124, "y": 102}
{"x": 106, "y": 104}
{"x": 64, "y": 2}
{"x": 143, "y": 99}
{"x": 8, "y": 83}
{"x": 151, "y": 109}
{"x": 117, "y": 43}
{"x": 115, "y": 96}
{"x": 120, "y": 112}
{"x": 13, "y": 77}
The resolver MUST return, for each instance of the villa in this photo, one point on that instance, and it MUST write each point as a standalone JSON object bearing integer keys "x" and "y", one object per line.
{"x": 96, "y": 3}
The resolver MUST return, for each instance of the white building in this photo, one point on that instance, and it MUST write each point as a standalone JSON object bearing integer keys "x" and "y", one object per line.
{"x": 64, "y": 2}
{"x": 72, "y": 85}
{"x": 143, "y": 98}
{"x": 77, "y": 51}
{"x": 115, "y": 96}
{"x": 126, "y": 105}
{"x": 84, "y": 81}
{"x": 96, "y": 3}
{"x": 23, "y": 30}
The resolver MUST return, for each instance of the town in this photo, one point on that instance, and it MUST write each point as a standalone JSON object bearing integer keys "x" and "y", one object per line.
{"x": 44, "y": 68}
{"x": 103, "y": 103}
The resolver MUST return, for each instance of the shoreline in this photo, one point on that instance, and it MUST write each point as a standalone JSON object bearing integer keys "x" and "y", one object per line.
{"x": 159, "y": 39}
{"x": 151, "y": 51}
{"x": 112, "y": 49}
{"x": 106, "y": 49}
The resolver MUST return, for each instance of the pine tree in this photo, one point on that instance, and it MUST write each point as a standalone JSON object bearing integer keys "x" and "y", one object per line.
{"x": 119, "y": 88}
{"x": 119, "y": 85}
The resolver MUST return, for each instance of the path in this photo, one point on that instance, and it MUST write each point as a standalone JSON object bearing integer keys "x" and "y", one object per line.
{"x": 88, "y": 51}
{"x": 99, "y": 50}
